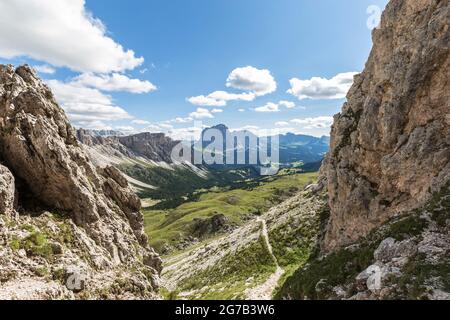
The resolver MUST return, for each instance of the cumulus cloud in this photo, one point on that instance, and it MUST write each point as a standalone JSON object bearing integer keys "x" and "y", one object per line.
{"x": 44, "y": 68}
{"x": 241, "y": 110}
{"x": 259, "y": 82}
{"x": 186, "y": 134}
{"x": 282, "y": 123}
{"x": 206, "y": 101}
{"x": 216, "y": 111}
{"x": 314, "y": 123}
{"x": 153, "y": 128}
{"x": 114, "y": 82}
{"x": 93, "y": 125}
{"x": 254, "y": 81}
{"x": 165, "y": 125}
{"x": 62, "y": 33}
{"x": 86, "y": 104}
{"x": 220, "y": 98}
{"x": 275, "y": 107}
{"x": 181, "y": 120}
{"x": 287, "y": 104}
{"x": 268, "y": 107}
{"x": 140, "y": 122}
{"x": 320, "y": 88}
{"x": 126, "y": 129}
{"x": 201, "y": 113}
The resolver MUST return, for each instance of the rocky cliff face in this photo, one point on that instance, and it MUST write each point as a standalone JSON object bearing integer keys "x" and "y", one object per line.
{"x": 154, "y": 146}
{"x": 48, "y": 189}
{"x": 390, "y": 147}
{"x": 151, "y": 146}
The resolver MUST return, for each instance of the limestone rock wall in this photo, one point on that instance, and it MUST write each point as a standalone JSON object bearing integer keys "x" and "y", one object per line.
{"x": 390, "y": 145}
{"x": 40, "y": 153}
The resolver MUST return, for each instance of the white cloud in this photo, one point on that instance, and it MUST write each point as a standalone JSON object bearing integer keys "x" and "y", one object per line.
{"x": 153, "y": 128}
{"x": 86, "y": 104}
{"x": 44, "y": 68}
{"x": 259, "y": 82}
{"x": 216, "y": 111}
{"x": 268, "y": 107}
{"x": 248, "y": 128}
{"x": 62, "y": 33}
{"x": 114, "y": 82}
{"x": 126, "y": 129}
{"x": 140, "y": 122}
{"x": 181, "y": 120}
{"x": 275, "y": 107}
{"x": 220, "y": 98}
{"x": 206, "y": 101}
{"x": 320, "y": 88}
{"x": 226, "y": 96}
{"x": 287, "y": 104}
{"x": 93, "y": 125}
{"x": 256, "y": 82}
{"x": 201, "y": 113}
{"x": 314, "y": 123}
{"x": 165, "y": 126}
{"x": 241, "y": 110}
{"x": 185, "y": 133}
{"x": 317, "y": 126}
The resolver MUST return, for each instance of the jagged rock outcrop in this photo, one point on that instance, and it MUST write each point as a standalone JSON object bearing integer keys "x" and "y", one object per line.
{"x": 150, "y": 146}
{"x": 390, "y": 146}
{"x": 154, "y": 146}
{"x": 39, "y": 149}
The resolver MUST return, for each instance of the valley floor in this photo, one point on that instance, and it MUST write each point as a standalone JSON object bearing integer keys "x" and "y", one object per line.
{"x": 250, "y": 261}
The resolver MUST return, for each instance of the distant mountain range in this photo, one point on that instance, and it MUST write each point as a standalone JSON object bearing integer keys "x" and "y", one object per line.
{"x": 294, "y": 149}
{"x": 104, "y": 133}
{"x": 145, "y": 159}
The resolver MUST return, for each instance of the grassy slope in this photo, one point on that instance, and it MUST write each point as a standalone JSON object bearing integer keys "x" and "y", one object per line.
{"x": 172, "y": 226}
{"x": 293, "y": 228}
{"x": 228, "y": 279}
{"x": 176, "y": 184}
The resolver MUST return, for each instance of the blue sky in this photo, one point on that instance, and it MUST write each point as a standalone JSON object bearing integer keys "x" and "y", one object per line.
{"x": 189, "y": 49}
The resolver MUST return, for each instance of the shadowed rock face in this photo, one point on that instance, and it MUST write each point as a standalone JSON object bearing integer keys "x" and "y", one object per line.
{"x": 390, "y": 146}
{"x": 39, "y": 147}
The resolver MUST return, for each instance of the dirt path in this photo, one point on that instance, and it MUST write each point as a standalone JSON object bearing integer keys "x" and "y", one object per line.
{"x": 265, "y": 290}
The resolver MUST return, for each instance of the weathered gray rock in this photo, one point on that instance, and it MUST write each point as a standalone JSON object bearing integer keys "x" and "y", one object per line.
{"x": 40, "y": 149}
{"x": 152, "y": 146}
{"x": 390, "y": 145}
{"x": 7, "y": 191}
{"x": 390, "y": 249}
